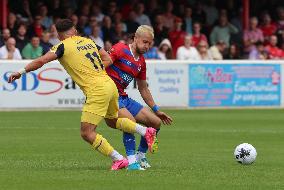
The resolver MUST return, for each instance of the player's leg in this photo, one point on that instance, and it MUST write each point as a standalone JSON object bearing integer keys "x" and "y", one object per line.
{"x": 148, "y": 118}
{"x": 128, "y": 109}
{"x": 89, "y": 122}
{"x": 125, "y": 124}
{"x": 129, "y": 140}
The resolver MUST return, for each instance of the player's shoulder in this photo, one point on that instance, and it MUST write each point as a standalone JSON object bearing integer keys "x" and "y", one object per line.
{"x": 119, "y": 48}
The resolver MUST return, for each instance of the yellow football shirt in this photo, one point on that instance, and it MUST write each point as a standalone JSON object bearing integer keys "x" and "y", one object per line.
{"x": 80, "y": 58}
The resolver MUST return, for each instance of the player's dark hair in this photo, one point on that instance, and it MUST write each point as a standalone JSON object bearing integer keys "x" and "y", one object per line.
{"x": 64, "y": 25}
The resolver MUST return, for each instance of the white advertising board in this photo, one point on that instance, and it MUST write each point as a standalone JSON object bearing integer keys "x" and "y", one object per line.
{"x": 48, "y": 87}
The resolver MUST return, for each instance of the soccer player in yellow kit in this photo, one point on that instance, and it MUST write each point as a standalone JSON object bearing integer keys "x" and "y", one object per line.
{"x": 85, "y": 62}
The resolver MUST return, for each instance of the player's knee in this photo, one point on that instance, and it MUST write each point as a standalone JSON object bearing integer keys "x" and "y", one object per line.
{"x": 88, "y": 132}
{"x": 111, "y": 122}
{"x": 158, "y": 123}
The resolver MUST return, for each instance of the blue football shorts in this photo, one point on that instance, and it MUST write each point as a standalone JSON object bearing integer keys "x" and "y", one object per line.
{"x": 131, "y": 105}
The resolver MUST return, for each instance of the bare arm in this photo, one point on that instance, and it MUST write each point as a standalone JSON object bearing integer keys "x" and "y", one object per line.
{"x": 145, "y": 93}
{"x": 105, "y": 58}
{"x": 147, "y": 97}
{"x": 34, "y": 65}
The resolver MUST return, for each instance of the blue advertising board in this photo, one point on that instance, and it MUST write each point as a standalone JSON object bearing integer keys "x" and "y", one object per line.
{"x": 218, "y": 85}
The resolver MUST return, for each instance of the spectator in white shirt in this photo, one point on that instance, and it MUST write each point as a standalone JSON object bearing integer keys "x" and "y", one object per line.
{"x": 187, "y": 52}
{"x": 9, "y": 50}
{"x": 202, "y": 48}
{"x": 217, "y": 50}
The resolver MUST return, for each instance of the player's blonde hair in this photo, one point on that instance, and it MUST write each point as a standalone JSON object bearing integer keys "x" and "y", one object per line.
{"x": 143, "y": 29}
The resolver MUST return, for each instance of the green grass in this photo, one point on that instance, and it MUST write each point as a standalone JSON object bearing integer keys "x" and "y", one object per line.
{"x": 44, "y": 151}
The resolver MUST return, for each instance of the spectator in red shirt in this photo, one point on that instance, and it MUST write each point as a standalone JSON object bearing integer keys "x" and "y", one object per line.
{"x": 177, "y": 35}
{"x": 37, "y": 28}
{"x": 268, "y": 28}
{"x": 272, "y": 49}
{"x": 197, "y": 35}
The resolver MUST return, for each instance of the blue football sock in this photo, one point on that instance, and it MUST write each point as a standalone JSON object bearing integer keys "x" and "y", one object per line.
{"x": 129, "y": 143}
{"x": 143, "y": 147}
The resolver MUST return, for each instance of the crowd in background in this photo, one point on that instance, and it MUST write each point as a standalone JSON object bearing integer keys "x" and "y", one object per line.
{"x": 184, "y": 29}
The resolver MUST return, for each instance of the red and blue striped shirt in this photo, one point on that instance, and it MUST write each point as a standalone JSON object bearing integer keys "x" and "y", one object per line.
{"x": 125, "y": 68}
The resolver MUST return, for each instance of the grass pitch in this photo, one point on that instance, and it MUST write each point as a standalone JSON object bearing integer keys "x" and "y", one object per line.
{"x": 44, "y": 151}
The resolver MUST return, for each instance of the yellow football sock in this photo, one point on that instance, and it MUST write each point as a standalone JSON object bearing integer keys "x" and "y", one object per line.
{"x": 126, "y": 125}
{"x": 101, "y": 145}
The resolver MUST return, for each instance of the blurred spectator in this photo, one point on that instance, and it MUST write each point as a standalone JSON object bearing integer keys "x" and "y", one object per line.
{"x": 238, "y": 23}
{"x": 118, "y": 19}
{"x": 280, "y": 22}
{"x": 36, "y": 29}
{"x": 273, "y": 51}
{"x": 9, "y": 50}
{"x": 233, "y": 52}
{"x": 111, "y": 9}
{"x": 131, "y": 23}
{"x": 53, "y": 35}
{"x": 161, "y": 32}
{"x": 188, "y": 20}
{"x": 217, "y": 50}
{"x": 107, "y": 29}
{"x": 44, "y": 42}
{"x": 68, "y": 12}
{"x": 21, "y": 37}
{"x": 95, "y": 36}
{"x": 84, "y": 9}
{"x": 88, "y": 29}
{"x": 25, "y": 12}
{"x": 152, "y": 9}
{"x": 97, "y": 12}
{"x": 268, "y": 28}
{"x": 141, "y": 18}
{"x": 118, "y": 33}
{"x": 82, "y": 26}
{"x": 152, "y": 53}
{"x": 32, "y": 50}
{"x": 258, "y": 52}
{"x": 211, "y": 12}
{"x": 128, "y": 7}
{"x": 12, "y": 24}
{"x": 222, "y": 31}
{"x": 252, "y": 35}
{"x": 199, "y": 14}
{"x": 202, "y": 48}
{"x": 55, "y": 9}
{"x": 75, "y": 20}
{"x": 169, "y": 17}
{"x": 177, "y": 36}
{"x": 187, "y": 52}
{"x": 108, "y": 45}
{"x": 5, "y": 36}
{"x": 46, "y": 21}
{"x": 197, "y": 36}
{"x": 165, "y": 50}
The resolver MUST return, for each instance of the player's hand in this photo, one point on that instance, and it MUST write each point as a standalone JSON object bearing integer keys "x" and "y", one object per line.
{"x": 167, "y": 120}
{"x": 14, "y": 76}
